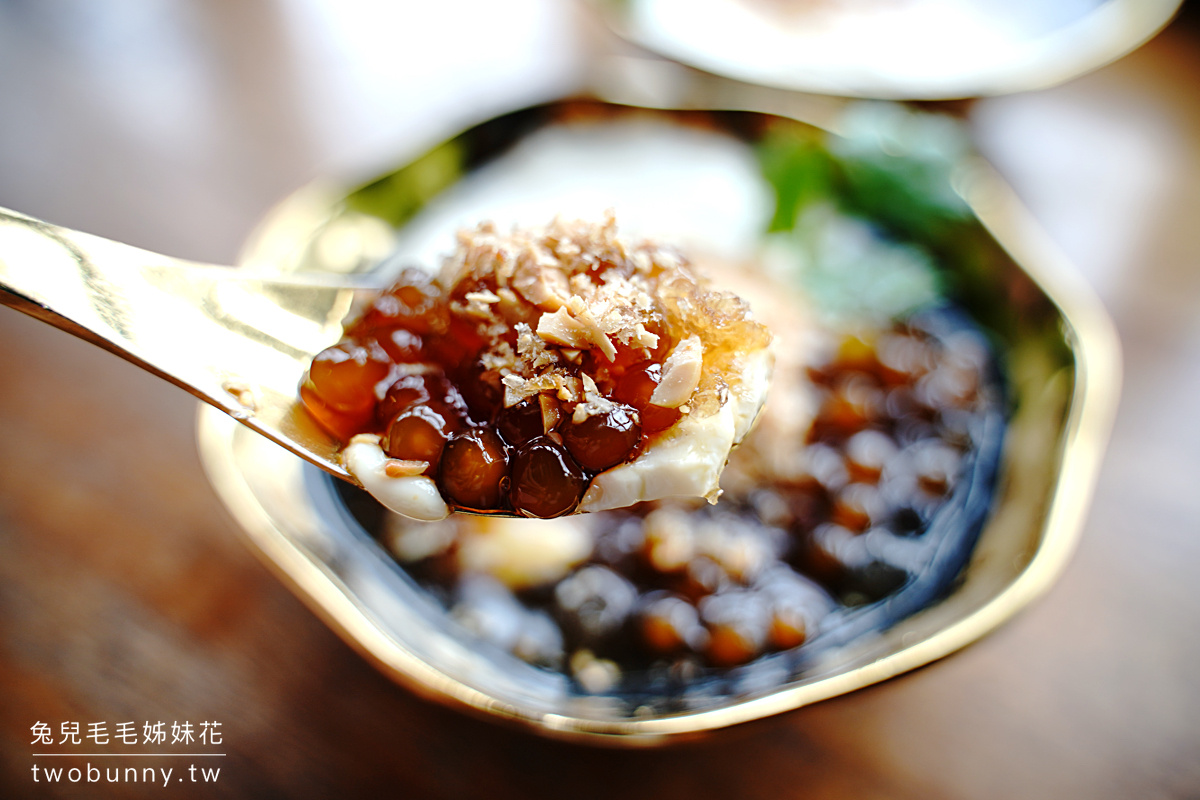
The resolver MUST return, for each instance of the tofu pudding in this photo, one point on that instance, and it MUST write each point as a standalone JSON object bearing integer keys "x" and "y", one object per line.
{"x": 540, "y": 372}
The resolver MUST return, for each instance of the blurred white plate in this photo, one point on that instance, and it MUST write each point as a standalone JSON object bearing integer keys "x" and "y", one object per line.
{"x": 893, "y": 49}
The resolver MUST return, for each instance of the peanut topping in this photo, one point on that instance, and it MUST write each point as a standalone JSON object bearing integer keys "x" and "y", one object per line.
{"x": 545, "y": 286}
{"x": 399, "y": 468}
{"x": 576, "y": 332}
{"x": 680, "y": 374}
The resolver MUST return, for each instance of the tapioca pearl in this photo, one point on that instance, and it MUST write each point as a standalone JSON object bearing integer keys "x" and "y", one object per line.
{"x": 966, "y": 350}
{"x": 781, "y": 584}
{"x": 404, "y": 393}
{"x": 669, "y": 624}
{"x": 458, "y": 345}
{"x": 636, "y": 387}
{"x": 418, "y": 434}
{"x": 619, "y": 543}
{"x": 911, "y": 504}
{"x": 431, "y": 389}
{"x": 638, "y": 355}
{"x": 901, "y": 402}
{"x": 902, "y": 357}
{"x": 626, "y": 357}
{"x": 685, "y": 669}
{"x": 402, "y": 345}
{"x": 427, "y": 387}
{"x": 669, "y": 539}
{"x": 447, "y": 399}
{"x": 481, "y": 390}
{"x": 413, "y": 302}
{"x": 903, "y": 553}
{"x": 595, "y": 675}
{"x": 797, "y": 607}
{"x": 539, "y": 640}
{"x": 594, "y": 603}
{"x": 701, "y": 576}
{"x": 867, "y": 453}
{"x": 344, "y": 376}
{"x": 936, "y": 466}
{"x": 656, "y": 418}
{"x": 519, "y": 423}
{"x": 789, "y": 625}
{"x": 960, "y": 428}
{"x": 738, "y": 622}
{"x": 637, "y": 384}
{"x": 946, "y": 387}
{"x": 857, "y": 505}
{"x": 853, "y": 404}
{"x": 342, "y": 425}
{"x": 487, "y": 608}
{"x": 831, "y": 550}
{"x": 772, "y": 507}
{"x": 861, "y": 576}
{"x": 603, "y": 440}
{"x": 908, "y": 419}
{"x": 544, "y": 480}
{"x": 826, "y": 467}
{"x": 473, "y": 474}
{"x": 808, "y": 505}
{"x": 741, "y": 547}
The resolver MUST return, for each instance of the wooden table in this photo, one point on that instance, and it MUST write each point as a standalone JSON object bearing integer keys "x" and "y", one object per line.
{"x": 126, "y": 592}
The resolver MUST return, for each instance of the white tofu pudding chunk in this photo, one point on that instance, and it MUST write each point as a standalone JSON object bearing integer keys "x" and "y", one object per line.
{"x": 541, "y": 372}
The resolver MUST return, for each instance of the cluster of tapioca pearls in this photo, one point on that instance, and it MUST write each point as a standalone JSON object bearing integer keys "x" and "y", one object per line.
{"x": 690, "y": 588}
{"x": 885, "y": 451}
{"x": 409, "y": 370}
{"x": 729, "y": 599}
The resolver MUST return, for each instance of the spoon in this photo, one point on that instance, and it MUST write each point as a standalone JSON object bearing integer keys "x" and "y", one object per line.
{"x": 237, "y": 340}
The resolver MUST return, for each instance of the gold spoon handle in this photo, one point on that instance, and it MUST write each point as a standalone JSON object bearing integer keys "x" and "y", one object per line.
{"x": 238, "y": 341}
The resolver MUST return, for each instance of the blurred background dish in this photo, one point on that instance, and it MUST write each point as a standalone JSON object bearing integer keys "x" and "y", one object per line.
{"x": 896, "y": 49}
